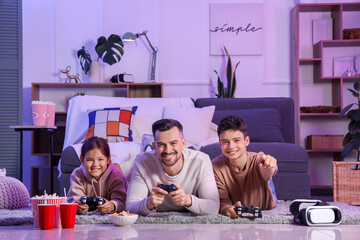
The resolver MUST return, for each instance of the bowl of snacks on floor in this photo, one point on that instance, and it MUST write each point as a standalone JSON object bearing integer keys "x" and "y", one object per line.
{"x": 123, "y": 218}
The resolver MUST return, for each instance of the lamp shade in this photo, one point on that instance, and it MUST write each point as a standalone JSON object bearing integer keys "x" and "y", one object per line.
{"x": 129, "y": 36}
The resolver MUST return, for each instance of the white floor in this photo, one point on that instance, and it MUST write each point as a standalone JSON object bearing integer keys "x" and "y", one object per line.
{"x": 184, "y": 231}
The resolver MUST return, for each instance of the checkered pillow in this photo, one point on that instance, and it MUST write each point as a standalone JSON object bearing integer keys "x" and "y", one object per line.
{"x": 112, "y": 124}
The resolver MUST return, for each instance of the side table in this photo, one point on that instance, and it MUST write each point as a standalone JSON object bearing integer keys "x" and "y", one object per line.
{"x": 21, "y": 129}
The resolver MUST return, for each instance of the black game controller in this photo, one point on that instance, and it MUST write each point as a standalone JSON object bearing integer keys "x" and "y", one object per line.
{"x": 93, "y": 202}
{"x": 168, "y": 188}
{"x": 255, "y": 211}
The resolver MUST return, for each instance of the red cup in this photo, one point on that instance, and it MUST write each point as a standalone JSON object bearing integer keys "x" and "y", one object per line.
{"x": 68, "y": 214}
{"x": 46, "y": 216}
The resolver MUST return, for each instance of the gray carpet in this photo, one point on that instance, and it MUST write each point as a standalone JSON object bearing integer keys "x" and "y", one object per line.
{"x": 279, "y": 215}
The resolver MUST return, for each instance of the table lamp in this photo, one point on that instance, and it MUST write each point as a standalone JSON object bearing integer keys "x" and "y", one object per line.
{"x": 132, "y": 37}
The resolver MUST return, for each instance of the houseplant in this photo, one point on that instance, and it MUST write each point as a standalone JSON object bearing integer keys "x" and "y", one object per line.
{"x": 229, "y": 90}
{"x": 352, "y": 138}
{"x": 109, "y": 50}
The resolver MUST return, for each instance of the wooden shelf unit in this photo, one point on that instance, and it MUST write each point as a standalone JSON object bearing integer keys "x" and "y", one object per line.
{"x": 312, "y": 71}
{"x": 319, "y": 57}
{"x": 40, "y": 140}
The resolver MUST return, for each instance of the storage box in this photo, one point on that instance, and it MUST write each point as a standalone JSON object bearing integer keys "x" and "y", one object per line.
{"x": 346, "y": 182}
{"x": 324, "y": 142}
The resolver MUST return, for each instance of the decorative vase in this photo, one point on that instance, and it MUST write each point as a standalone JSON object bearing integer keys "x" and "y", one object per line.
{"x": 95, "y": 73}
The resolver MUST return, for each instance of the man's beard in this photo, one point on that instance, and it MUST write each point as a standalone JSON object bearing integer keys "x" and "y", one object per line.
{"x": 170, "y": 164}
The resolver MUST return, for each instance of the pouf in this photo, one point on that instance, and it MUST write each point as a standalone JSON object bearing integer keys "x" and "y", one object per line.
{"x": 13, "y": 193}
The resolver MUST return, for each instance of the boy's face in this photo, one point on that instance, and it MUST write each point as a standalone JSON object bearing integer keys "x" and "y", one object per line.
{"x": 95, "y": 163}
{"x": 233, "y": 144}
{"x": 169, "y": 145}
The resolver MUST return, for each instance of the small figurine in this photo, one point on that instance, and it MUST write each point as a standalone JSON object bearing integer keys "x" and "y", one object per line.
{"x": 347, "y": 73}
{"x": 69, "y": 77}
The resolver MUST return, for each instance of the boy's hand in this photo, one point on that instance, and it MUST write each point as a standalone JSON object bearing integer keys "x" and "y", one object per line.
{"x": 180, "y": 197}
{"x": 82, "y": 208}
{"x": 268, "y": 166}
{"x": 107, "y": 207}
{"x": 231, "y": 211}
{"x": 156, "y": 197}
{"x": 267, "y": 161}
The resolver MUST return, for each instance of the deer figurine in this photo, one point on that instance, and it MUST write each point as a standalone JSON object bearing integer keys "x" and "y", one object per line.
{"x": 70, "y": 77}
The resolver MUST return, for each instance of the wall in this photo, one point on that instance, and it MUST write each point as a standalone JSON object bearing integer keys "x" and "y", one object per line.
{"x": 53, "y": 31}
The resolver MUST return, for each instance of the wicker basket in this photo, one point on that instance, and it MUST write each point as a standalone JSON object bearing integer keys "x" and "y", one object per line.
{"x": 352, "y": 33}
{"x": 346, "y": 183}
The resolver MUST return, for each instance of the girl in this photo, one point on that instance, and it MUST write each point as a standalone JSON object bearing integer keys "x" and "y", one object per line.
{"x": 98, "y": 177}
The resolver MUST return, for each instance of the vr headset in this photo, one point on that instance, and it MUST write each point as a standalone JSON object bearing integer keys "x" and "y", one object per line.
{"x": 315, "y": 213}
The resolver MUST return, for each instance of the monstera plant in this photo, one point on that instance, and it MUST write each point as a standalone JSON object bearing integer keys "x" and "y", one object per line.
{"x": 229, "y": 91}
{"x": 352, "y": 138}
{"x": 109, "y": 50}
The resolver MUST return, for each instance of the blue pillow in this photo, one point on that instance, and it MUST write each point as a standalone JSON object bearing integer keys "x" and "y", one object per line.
{"x": 264, "y": 124}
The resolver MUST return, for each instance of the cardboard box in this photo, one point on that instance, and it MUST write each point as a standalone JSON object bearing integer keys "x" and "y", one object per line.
{"x": 324, "y": 142}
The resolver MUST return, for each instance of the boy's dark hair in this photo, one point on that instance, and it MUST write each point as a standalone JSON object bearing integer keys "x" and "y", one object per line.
{"x": 163, "y": 125}
{"x": 234, "y": 123}
{"x": 95, "y": 142}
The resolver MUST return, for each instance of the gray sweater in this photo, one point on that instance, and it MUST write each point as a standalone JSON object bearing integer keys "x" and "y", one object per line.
{"x": 196, "y": 178}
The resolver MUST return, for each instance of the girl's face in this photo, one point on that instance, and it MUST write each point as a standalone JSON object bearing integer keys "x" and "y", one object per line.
{"x": 95, "y": 162}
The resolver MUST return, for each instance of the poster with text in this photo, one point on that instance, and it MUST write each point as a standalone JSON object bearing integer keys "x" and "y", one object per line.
{"x": 238, "y": 27}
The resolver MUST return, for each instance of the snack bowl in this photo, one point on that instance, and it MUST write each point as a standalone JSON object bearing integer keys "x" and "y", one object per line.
{"x": 123, "y": 220}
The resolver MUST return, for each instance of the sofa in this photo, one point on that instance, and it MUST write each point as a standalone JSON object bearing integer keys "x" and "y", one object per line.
{"x": 270, "y": 122}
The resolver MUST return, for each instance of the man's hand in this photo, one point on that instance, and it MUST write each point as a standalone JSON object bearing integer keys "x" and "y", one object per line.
{"x": 82, "y": 208}
{"x": 156, "y": 197}
{"x": 231, "y": 211}
{"x": 107, "y": 207}
{"x": 180, "y": 197}
{"x": 268, "y": 166}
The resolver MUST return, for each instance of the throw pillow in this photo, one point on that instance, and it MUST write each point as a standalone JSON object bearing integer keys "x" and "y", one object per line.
{"x": 112, "y": 124}
{"x": 264, "y": 124}
{"x": 195, "y": 121}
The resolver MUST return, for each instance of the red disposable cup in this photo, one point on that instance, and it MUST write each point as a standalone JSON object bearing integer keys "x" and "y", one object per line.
{"x": 46, "y": 216}
{"x": 68, "y": 214}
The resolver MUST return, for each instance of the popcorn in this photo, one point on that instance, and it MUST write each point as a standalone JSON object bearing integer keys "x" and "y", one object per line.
{"x": 123, "y": 213}
{"x": 52, "y": 196}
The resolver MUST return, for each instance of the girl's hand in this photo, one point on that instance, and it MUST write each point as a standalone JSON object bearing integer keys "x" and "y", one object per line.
{"x": 82, "y": 208}
{"x": 107, "y": 207}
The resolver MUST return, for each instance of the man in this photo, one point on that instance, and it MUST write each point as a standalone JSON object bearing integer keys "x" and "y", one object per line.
{"x": 171, "y": 163}
{"x": 242, "y": 178}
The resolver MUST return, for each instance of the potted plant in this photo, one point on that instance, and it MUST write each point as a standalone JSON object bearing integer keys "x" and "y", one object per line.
{"x": 108, "y": 50}
{"x": 229, "y": 91}
{"x": 352, "y": 138}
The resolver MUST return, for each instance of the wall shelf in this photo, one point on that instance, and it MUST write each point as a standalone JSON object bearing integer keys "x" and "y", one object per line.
{"x": 314, "y": 69}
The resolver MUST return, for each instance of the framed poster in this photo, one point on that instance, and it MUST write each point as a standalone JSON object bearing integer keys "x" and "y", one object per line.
{"x": 238, "y": 27}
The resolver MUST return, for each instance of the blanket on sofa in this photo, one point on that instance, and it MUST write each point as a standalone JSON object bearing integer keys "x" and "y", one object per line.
{"x": 279, "y": 215}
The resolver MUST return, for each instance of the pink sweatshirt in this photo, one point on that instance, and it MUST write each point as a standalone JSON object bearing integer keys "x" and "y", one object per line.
{"x": 112, "y": 186}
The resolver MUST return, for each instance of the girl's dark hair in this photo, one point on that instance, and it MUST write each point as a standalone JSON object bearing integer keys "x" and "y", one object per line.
{"x": 234, "y": 123}
{"x": 163, "y": 125}
{"x": 95, "y": 142}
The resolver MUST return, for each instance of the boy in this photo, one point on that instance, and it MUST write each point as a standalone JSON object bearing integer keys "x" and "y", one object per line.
{"x": 242, "y": 177}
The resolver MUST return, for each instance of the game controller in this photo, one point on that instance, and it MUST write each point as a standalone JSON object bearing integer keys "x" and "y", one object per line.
{"x": 168, "y": 188}
{"x": 93, "y": 202}
{"x": 243, "y": 210}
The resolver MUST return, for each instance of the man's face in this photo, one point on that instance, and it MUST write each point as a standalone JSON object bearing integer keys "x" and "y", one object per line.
{"x": 169, "y": 145}
{"x": 233, "y": 144}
